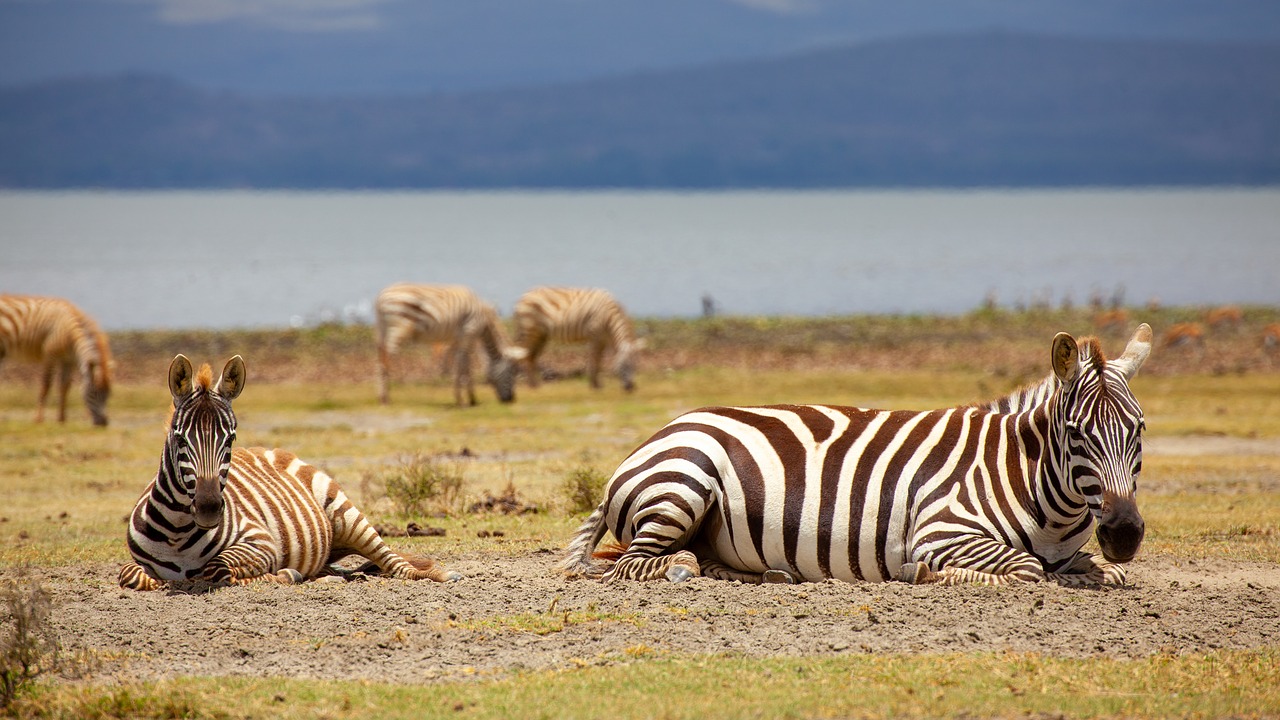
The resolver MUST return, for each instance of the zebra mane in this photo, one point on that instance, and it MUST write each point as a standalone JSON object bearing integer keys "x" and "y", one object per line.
{"x": 1091, "y": 350}
{"x": 204, "y": 379}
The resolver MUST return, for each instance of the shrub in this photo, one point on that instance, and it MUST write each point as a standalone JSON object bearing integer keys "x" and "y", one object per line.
{"x": 29, "y": 646}
{"x": 584, "y": 488}
{"x": 423, "y": 484}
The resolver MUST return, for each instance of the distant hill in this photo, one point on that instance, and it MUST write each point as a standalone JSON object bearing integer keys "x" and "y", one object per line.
{"x": 982, "y": 109}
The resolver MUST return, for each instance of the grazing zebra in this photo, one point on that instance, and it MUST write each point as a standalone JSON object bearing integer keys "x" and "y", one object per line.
{"x": 451, "y": 314}
{"x": 1001, "y": 493}
{"x": 230, "y": 517}
{"x": 577, "y": 315}
{"x": 56, "y": 334}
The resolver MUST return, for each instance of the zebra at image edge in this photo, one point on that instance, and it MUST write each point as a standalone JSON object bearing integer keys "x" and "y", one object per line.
{"x": 228, "y": 516}
{"x": 994, "y": 493}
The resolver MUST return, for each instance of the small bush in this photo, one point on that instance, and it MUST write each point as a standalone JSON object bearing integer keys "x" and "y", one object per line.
{"x": 29, "y": 646}
{"x": 584, "y": 488}
{"x": 422, "y": 485}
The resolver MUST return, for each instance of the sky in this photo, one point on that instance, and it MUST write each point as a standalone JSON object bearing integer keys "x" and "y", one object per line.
{"x": 316, "y": 47}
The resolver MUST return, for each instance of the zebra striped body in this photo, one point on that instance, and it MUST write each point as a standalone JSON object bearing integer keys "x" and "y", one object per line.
{"x": 445, "y": 314}
{"x": 234, "y": 516}
{"x": 993, "y": 494}
{"x": 576, "y": 315}
{"x": 56, "y": 334}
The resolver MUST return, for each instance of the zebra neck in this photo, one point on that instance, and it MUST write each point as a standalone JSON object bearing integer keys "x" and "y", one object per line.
{"x": 621, "y": 333}
{"x": 490, "y": 342}
{"x": 1059, "y": 506}
{"x": 168, "y": 501}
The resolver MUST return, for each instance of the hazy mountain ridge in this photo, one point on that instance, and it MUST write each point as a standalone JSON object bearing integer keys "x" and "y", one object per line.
{"x": 980, "y": 109}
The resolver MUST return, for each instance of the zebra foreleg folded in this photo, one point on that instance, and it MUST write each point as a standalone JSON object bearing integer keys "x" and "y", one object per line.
{"x": 133, "y": 577}
{"x": 633, "y": 565}
{"x": 239, "y": 565}
{"x": 719, "y": 571}
{"x": 976, "y": 561}
{"x": 1086, "y": 571}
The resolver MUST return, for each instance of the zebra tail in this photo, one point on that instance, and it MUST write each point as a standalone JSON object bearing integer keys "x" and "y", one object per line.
{"x": 578, "y": 560}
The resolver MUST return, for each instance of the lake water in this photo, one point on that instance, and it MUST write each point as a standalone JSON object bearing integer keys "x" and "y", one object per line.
{"x": 268, "y": 259}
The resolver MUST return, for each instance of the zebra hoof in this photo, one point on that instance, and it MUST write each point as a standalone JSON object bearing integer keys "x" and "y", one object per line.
{"x": 777, "y": 577}
{"x": 679, "y": 573}
{"x": 452, "y": 576}
{"x": 289, "y": 576}
{"x": 915, "y": 573}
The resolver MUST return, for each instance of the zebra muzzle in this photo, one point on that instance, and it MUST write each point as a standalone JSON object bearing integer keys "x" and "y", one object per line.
{"x": 206, "y": 507}
{"x": 1121, "y": 530}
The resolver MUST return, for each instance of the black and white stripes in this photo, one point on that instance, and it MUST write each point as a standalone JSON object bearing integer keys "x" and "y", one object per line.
{"x": 994, "y": 494}
{"x": 232, "y": 516}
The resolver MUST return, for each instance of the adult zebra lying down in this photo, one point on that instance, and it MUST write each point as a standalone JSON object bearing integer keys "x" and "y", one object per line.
{"x": 232, "y": 516}
{"x": 998, "y": 493}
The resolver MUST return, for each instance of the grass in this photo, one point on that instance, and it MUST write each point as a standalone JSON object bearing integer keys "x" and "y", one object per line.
{"x": 70, "y": 487}
{"x": 643, "y": 684}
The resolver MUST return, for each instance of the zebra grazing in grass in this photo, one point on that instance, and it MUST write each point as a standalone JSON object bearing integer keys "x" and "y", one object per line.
{"x": 452, "y": 314}
{"x": 56, "y": 334}
{"x": 229, "y": 517}
{"x": 577, "y": 315}
{"x": 995, "y": 494}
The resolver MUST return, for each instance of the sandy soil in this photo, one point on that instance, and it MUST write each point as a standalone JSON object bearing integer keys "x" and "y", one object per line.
{"x": 417, "y": 632}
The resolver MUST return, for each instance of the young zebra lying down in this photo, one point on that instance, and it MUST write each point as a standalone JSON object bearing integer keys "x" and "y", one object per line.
{"x": 229, "y": 516}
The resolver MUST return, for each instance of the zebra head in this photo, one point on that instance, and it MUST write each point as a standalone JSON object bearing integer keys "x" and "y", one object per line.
{"x": 624, "y": 363}
{"x": 97, "y": 388}
{"x": 503, "y": 370}
{"x": 201, "y": 433}
{"x": 1099, "y": 430}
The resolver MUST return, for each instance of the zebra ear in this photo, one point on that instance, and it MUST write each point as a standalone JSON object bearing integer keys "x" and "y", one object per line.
{"x": 180, "y": 377}
{"x": 232, "y": 380}
{"x": 1065, "y": 357}
{"x": 1136, "y": 352}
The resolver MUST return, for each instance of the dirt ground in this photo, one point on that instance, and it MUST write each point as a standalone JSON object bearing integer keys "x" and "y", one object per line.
{"x": 518, "y": 613}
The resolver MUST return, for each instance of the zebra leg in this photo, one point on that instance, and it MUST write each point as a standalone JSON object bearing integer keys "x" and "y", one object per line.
{"x": 133, "y": 577}
{"x": 352, "y": 533}
{"x": 1085, "y": 571}
{"x": 246, "y": 562}
{"x": 462, "y": 373}
{"x": 719, "y": 571}
{"x": 974, "y": 560}
{"x": 384, "y": 373}
{"x": 633, "y": 565}
{"x": 64, "y": 386}
{"x": 536, "y": 343}
{"x": 595, "y": 356}
{"x": 46, "y": 380}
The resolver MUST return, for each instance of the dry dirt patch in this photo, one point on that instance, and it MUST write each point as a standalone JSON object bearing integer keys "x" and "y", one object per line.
{"x": 516, "y": 613}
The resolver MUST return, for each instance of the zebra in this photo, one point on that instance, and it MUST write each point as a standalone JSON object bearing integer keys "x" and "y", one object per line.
{"x": 232, "y": 516}
{"x": 575, "y": 315}
{"x": 59, "y": 336}
{"x": 997, "y": 494}
{"x": 452, "y": 314}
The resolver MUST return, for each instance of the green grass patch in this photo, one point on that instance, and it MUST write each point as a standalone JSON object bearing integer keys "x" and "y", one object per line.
{"x": 645, "y": 684}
